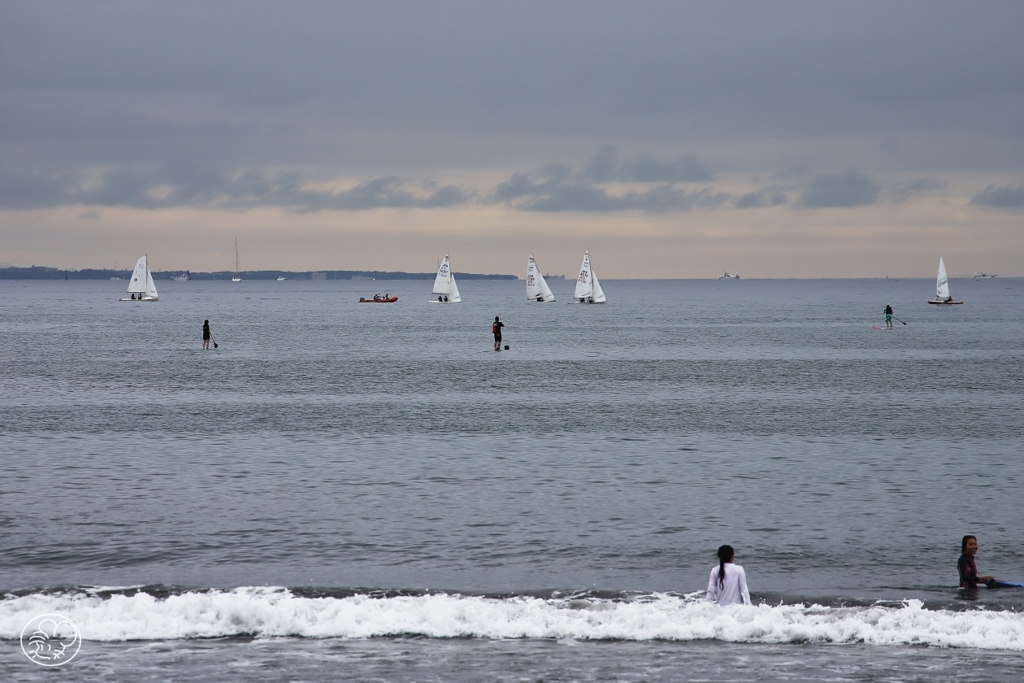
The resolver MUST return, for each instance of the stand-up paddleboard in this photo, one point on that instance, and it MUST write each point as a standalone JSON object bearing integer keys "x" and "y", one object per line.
{"x": 942, "y": 296}
{"x": 1004, "y": 584}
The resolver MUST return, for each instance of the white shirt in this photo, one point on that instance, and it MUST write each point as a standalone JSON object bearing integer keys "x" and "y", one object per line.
{"x": 734, "y": 589}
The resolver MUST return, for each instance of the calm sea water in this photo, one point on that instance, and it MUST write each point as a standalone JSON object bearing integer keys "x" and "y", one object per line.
{"x": 370, "y": 492}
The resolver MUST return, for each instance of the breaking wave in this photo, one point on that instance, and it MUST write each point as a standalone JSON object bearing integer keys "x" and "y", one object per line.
{"x": 277, "y": 612}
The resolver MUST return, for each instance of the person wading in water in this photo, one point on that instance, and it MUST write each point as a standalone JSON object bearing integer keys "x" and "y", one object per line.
{"x": 727, "y": 584}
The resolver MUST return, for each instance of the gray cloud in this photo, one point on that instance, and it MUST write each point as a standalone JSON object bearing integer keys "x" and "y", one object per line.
{"x": 771, "y": 196}
{"x": 526, "y": 193}
{"x": 556, "y": 187}
{"x": 347, "y": 89}
{"x": 1000, "y": 197}
{"x": 900, "y": 192}
{"x": 602, "y": 166}
{"x": 181, "y": 186}
{"x": 605, "y": 166}
{"x": 19, "y": 190}
{"x": 840, "y": 190}
{"x": 681, "y": 169}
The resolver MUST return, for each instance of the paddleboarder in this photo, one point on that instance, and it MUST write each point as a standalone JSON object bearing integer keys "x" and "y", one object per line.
{"x": 496, "y": 331}
{"x": 888, "y": 316}
{"x": 206, "y": 334}
{"x": 965, "y": 565}
{"x": 727, "y": 584}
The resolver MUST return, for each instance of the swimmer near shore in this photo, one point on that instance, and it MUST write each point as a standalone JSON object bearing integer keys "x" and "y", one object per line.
{"x": 968, "y": 570}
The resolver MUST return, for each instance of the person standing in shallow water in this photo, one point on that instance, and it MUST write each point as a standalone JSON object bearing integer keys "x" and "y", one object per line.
{"x": 206, "y": 334}
{"x": 728, "y": 582}
{"x": 965, "y": 565}
{"x": 496, "y": 331}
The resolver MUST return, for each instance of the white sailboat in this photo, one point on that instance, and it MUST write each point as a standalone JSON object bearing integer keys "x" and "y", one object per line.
{"x": 536, "y": 288}
{"x": 237, "y": 277}
{"x": 444, "y": 284}
{"x": 942, "y": 295}
{"x": 141, "y": 286}
{"x": 588, "y": 289}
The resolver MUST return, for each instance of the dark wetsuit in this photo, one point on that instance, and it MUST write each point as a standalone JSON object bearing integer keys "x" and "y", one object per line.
{"x": 968, "y": 571}
{"x": 206, "y": 331}
{"x": 496, "y": 329}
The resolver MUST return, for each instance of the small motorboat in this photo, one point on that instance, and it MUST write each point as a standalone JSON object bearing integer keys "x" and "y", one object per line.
{"x": 378, "y": 299}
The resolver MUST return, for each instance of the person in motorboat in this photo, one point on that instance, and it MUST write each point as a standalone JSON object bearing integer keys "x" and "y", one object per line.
{"x": 387, "y": 296}
{"x": 966, "y": 567}
{"x": 727, "y": 584}
{"x": 888, "y": 316}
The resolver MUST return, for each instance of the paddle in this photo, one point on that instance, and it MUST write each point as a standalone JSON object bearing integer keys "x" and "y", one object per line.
{"x": 897, "y": 319}
{"x": 215, "y": 344}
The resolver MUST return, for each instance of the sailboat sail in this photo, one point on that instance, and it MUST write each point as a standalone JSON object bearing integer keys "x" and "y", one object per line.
{"x": 588, "y": 289}
{"x": 536, "y": 287}
{"x": 599, "y": 297}
{"x": 584, "y": 285}
{"x": 150, "y": 285}
{"x": 443, "y": 279}
{"x": 453, "y": 294}
{"x": 137, "y": 285}
{"x": 141, "y": 286}
{"x": 444, "y": 283}
{"x": 941, "y": 283}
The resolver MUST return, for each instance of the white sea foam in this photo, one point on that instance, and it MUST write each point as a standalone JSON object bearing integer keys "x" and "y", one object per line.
{"x": 268, "y": 612}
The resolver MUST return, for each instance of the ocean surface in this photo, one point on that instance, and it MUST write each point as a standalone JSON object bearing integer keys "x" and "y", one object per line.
{"x": 347, "y": 491}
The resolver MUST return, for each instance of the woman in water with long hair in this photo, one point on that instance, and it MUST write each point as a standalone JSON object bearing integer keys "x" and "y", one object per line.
{"x": 728, "y": 582}
{"x": 965, "y": 565}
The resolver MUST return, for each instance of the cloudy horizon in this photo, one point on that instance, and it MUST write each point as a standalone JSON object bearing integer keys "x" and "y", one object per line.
{"x": 672, "y": 140}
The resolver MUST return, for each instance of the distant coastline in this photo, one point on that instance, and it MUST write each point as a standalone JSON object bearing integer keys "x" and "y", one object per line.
{"x": 47, "y": 273}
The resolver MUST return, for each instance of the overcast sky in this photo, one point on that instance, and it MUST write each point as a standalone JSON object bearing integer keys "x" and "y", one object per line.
{"x": 671, "y": 139}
